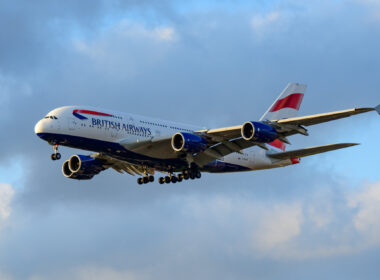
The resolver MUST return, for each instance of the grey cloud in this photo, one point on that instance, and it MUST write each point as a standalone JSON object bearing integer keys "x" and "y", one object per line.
{"x": 192, "y": 235}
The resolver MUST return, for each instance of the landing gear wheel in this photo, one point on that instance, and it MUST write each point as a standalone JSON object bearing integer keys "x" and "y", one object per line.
{"x": 174, "y": 179}
{"x": 145, "y": 180}
{"x": 198, "y": 175}
{"x": 192, "y": 176}
{"x": 151, "y": 178}
{"x": 161, "y": 180}
{"x": 186, "y": 176}
{"x": 167, "y": 179}
{"x": 56, "y": 155}
{"x": 179, "y": 177}
{"x": 140, "y": 181}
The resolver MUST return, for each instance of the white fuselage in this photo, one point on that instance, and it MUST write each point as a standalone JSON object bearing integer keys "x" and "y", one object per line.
{"x": 119, "y": 135}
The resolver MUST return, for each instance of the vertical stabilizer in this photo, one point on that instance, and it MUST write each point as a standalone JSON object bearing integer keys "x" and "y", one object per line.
{"x": 287, "y": 104}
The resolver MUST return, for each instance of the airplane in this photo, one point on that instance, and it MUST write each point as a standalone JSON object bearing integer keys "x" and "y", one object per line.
{"x": 139, "y": 145}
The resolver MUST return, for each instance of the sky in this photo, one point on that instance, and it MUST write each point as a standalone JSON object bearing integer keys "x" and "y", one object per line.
{"x": 213, "y": 63}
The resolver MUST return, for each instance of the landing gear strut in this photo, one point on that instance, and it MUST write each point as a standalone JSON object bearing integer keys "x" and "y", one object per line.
{"x": 56, "y": 155}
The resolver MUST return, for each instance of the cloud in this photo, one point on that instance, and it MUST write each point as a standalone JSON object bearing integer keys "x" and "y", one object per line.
{"x": 88, "y": 273}
{"x": 165, "y": 33}
{"x": 367, "y": 206}
{"x": 128, "y": 46}
{"x": 261, "y": 21}
{"x": 9, "y": 85}
{"x": 190, "y": 231}
{"x": 92, "y": 273}
{"x": 321, "y": 225}
{"x": 6, "y": 195}
{"x": 277, "y": 226}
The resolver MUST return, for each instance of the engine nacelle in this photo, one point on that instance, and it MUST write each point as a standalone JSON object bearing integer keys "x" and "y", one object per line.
{"x": 82, "y": 167}
{"x": 258, "y": 132}
{"x": 189, "y": 143}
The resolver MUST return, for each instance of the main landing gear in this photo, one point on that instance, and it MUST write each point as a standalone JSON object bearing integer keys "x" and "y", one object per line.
{"x": 145, "y": 180}
{"x": 56, "y": 155}
{"x": 185, "y": 175}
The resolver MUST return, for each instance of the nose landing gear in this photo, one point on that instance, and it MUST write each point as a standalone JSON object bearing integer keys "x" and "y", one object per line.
{"x": 56, "y": 155}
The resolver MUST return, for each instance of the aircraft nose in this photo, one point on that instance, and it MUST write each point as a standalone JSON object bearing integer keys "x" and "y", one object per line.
{"x": 40, "y": 127}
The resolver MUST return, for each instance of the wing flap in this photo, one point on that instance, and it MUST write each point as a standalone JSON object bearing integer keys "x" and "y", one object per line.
{"x": 310, "y": 151}
{"x": 123, "y": 166}
{"x": 222, "y": 149}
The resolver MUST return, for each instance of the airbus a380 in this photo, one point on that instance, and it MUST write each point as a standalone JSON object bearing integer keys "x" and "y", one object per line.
{"x": 141, "y": 145}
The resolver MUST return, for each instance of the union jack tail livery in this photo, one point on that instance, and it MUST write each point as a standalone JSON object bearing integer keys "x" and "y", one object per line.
{"x": 287, "y": 104}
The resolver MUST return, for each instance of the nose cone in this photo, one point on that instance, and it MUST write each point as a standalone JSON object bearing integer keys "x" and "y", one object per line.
{"x": 43, "y": 127}
{"x": 39, "y": 127}
{"x": 43, "y": 130}
{"x": 47, "y": 129}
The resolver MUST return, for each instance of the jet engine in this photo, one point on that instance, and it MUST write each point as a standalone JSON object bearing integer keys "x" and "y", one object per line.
{"x": 82, "y": 167}
{"x": 258, "y": 132}
{"x": 189, "y": 143}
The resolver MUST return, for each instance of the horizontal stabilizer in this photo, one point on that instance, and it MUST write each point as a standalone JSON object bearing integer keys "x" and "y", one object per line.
{"x": 310, "y": 151}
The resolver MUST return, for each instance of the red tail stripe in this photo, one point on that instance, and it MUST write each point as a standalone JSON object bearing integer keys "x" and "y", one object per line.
{"x": 92, "y": 113}
{"x": 278, "y": 144}
{"x": 291, "y": 101}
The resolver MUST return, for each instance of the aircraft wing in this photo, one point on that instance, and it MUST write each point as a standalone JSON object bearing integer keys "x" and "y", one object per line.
{"x": 227, "y": 140}
{"x": 310, "y": 151}
{"x": 295, "y": 125}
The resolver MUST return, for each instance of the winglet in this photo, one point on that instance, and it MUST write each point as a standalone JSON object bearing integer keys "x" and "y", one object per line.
{"x": 377, "y": 108}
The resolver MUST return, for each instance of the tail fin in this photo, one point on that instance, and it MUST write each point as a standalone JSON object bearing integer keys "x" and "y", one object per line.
{"x": 287, "y": 104}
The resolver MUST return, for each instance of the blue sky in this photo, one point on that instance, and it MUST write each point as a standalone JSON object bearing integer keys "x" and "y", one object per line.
{"x": 215, "y": 63}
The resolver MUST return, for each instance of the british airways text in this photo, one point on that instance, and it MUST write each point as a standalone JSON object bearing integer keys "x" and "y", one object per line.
{"x": 121, "y": 126}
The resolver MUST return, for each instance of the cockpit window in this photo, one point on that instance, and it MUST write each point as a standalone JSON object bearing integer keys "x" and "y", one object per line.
{"x": 51, "y": 117}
